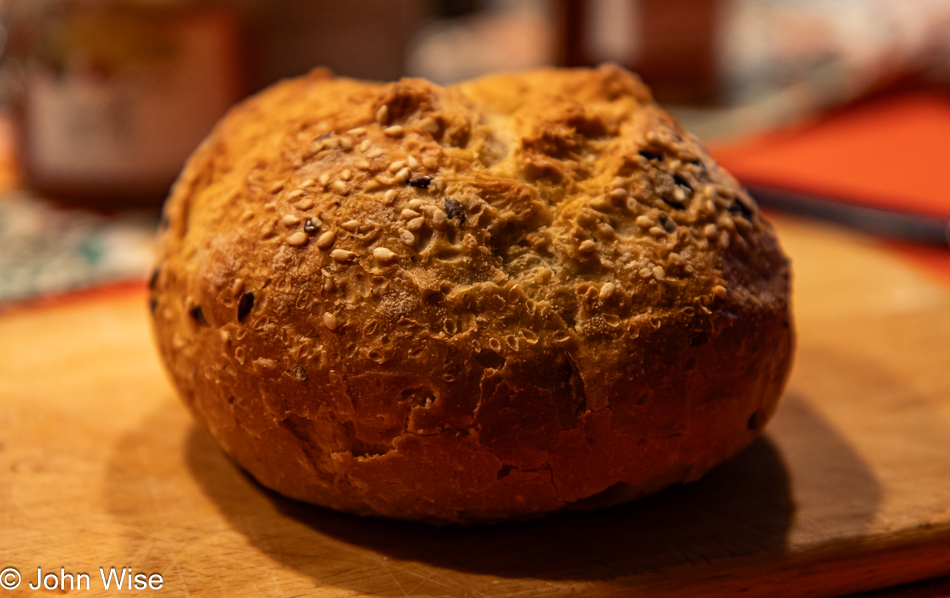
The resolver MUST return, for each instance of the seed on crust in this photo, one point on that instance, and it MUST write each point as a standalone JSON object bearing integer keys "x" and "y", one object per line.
{"x": 383, "y": 255}
{"x": 341, "y": 255}
{"x": 420, "y": 181}
{"x": 245, "y": 305}
{"x": 326, "y": 239}
{"x": 297, "y": 239}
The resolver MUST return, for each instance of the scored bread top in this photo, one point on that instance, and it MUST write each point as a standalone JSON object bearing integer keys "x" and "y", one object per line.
{"x": 355, "y": 266}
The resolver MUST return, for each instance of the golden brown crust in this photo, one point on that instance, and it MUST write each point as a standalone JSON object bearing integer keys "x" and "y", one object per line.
{"x": 472, "y": 303}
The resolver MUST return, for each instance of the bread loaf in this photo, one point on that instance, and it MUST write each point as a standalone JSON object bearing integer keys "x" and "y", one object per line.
{"x": 517, "y": 295}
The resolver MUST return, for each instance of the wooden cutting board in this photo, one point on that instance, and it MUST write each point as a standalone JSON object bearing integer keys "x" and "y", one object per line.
{"x": 100, "y": 466}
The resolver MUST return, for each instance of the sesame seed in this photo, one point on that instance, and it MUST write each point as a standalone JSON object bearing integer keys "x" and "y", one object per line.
{"x": 439, "y": 218}
{"x": 341, "y": 255}
{"x": 600, "y": 205}
{"x": 397, "y": 165}
{"x": 720, "y": 291}
{"x": 294, "y": 194}
{"x": 646, "y": 272}
{"x": 679, "y": 194}
{"x": 389, "y": 197}
{"x": 619, "y": 193}
{"x": 290, "y": 220}
{"x": 307, "y": 183}
{"x": 659, "y": 273}
{"x": 415, "y": 204}
{"x": 407, "y": 237}
{"x": 632, "y": 204}
{"x": 432, "y": 127}
{"x": 658, "y": 231}
{"x": 618, "y": 182}
{"x": 413, "y": 163}
{"x": 326, "y": 239}
{"x": 346, "y": 143}
{"x": 384, "y": 179}
{"x": 276, "y": 187}
{"x": 304, "y": 204}
{"x": 297, "y": 239}
{"x": 645, "y": 222}
{"x": 330, "y": 321}
{"x": 416, "y": 223}
{"x": 383, "y": 255}
{"x": 382, "y": 115}
{"x": 607, "y": 290}
{"x": 408, "y": 214}
{"x": 324, "y": 178}
{"x": 420, "y": 181}
{"x": 339, "y": 187}
{"x": 376, "y": 151}
{"x": 402, "y": 176}
{"x": 611, "y": 320}
{"x": 357, "y": 131}
{"x": 587, "y": 246}
{"x": 362, "y": 164}
{"x": 710, "y": 230}
{"x": 723, "y": 239}
{"x": 710, "y": 192}
{"x": 350, "y": 225}
{"x": 372, "y": 185}
{"x": 394, "y": 131}
{"x": 346, "y": 174}
{"x": 364, "y": 145}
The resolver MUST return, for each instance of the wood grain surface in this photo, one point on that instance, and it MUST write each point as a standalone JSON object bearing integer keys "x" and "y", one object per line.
{"x": 101, "y": 466}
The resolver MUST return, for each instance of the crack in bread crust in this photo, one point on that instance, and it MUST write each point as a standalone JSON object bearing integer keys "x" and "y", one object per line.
{"x": 405, "y": 290}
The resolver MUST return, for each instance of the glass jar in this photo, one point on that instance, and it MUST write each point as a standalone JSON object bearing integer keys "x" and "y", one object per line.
{"x": 114, "y": 95}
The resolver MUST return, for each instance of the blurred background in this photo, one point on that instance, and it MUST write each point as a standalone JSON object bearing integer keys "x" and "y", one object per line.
{"x": 814, "y": 103}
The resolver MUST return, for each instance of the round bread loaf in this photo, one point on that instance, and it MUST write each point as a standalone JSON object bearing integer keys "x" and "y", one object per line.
{"x": 508, "y": 297}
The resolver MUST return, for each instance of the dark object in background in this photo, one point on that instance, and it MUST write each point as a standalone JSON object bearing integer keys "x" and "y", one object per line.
{"x": 113, "y": 96}
{"x": 670, "y": 44}
{"x": 364, "y": 39}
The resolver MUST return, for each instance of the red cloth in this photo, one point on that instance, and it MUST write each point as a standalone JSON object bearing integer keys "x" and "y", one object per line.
{"x": 890, "y": 152}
